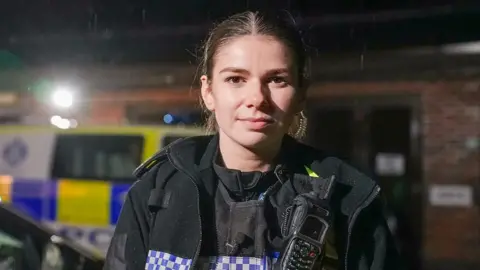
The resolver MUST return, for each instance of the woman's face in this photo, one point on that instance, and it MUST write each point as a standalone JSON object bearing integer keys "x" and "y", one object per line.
{"x": 252, "y": 90}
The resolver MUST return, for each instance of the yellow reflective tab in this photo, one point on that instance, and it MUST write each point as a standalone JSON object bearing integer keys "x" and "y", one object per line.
{"x": 83, "y": 202}
{"x": 151, "y": 164}
{"x": 6, "y": 188}
{"x": 310, "y": 172}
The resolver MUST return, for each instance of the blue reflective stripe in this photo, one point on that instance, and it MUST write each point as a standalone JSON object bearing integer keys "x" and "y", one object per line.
{"x": 118, "y": 194}
{"x": 35, "y": 198}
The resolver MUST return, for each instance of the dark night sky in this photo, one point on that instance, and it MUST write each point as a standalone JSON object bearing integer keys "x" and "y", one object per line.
{"x": 50, "y": 16}
{"x": 128, "y": 31}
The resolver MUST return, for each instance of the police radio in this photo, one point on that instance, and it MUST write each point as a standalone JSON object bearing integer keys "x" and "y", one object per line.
{"x": 309, "y": 221}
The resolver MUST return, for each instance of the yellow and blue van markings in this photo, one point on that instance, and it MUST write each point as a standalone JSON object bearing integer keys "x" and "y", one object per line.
{"x": 69, "y": 202}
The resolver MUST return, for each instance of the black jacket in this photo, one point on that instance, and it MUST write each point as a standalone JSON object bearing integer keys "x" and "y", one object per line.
{"x": 180, "y": 177}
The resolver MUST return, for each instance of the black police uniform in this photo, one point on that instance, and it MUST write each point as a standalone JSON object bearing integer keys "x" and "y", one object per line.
{"x": 188, "y": 211}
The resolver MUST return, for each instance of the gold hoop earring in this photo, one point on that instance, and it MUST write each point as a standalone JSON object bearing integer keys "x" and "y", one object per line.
{"x": 302, "y": 115}
{"x": 302, "y": 125}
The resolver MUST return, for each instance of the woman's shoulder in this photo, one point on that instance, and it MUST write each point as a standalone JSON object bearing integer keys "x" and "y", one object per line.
{"x": 326, "y": 164}
{"x": 184, "y": 154}
{"x": 180, "y": 149}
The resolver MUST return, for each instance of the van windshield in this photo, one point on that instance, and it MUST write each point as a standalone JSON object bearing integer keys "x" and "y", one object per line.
{"x": 97, "y": 157}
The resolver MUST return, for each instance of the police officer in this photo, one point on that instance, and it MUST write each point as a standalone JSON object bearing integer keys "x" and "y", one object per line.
{"x": 208, "y": 203}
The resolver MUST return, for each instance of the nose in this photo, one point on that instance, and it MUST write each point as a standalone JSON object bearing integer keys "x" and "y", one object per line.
{"x": 256, "y": 96}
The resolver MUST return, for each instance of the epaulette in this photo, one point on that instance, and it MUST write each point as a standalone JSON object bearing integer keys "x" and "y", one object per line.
{"x": 150, "y": 163}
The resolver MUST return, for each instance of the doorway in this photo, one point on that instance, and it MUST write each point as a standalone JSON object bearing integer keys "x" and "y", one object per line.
{"x": 379, "y": 136}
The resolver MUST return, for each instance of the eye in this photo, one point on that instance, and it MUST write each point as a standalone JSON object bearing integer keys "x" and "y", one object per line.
{"x": 281, "y": 81}
{"x": 235, "y": 79}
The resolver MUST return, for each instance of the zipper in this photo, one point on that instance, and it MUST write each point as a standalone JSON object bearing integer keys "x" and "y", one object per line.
{"x": 197, "y": 252}
{"x": 286, "y": 215}
{"x": 364, "y": 205}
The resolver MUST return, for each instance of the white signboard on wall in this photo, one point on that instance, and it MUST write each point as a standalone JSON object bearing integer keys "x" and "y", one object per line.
{"x": 451, "y": 195}
{"x": 390, "y": 164}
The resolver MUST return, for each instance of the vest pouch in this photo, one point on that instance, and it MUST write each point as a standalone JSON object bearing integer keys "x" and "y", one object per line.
{"x": 246, "y": 236}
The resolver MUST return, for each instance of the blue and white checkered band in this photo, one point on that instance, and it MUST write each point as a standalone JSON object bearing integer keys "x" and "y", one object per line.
{"x": 240, "y": 263}
{"x": 158, "y": 260}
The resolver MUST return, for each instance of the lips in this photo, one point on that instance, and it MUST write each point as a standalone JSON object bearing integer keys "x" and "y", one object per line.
{"x": 257, "y": 123}
{"x": 257, "y": 120}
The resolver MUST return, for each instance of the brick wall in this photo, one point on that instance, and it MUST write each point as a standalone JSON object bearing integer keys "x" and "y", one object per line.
{"x": 450, "y": 123}
{"x": 110, "y": 107}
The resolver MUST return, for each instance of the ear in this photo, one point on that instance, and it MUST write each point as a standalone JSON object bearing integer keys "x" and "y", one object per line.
{"x": 207, "y": 94}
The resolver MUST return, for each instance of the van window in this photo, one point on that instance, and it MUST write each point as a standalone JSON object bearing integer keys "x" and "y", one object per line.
{"x": 97, "y": 157}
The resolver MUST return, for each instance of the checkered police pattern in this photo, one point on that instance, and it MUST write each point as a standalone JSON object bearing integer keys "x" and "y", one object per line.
{"x": 158, "y": 260}
{"x": 236, "y": 263}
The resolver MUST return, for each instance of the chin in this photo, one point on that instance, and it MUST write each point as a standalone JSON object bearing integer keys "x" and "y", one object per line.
{"x": 253, "y": 139}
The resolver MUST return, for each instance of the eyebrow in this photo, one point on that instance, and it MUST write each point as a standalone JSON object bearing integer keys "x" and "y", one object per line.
{"x": 234, "y": 70}
{"x": 278, "y": 71}
{"x": 244, "y": 71}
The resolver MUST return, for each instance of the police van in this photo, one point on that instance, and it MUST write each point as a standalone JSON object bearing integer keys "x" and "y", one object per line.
{"x": 75, "y": 179}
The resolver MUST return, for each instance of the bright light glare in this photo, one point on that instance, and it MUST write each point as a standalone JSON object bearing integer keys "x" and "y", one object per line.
{"x": 60, "y": 122}
{"x": 62, "y": 98}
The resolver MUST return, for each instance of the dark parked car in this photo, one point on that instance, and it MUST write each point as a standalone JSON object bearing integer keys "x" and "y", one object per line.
{"x": 27, "y": 245}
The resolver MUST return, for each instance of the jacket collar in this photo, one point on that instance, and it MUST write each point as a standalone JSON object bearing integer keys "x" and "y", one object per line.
{"x": 198, "y": 152}
{"x": 195, "y": 154}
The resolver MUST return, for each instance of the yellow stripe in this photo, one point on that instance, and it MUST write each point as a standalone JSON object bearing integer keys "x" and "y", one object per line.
{"x": 310, "y": 172}
{"x": 83, "y": 202}
{"x": 5, "y": 188}
{"x": 150, "y": 145}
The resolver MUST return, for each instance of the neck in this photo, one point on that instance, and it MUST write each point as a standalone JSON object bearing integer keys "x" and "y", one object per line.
{"x": 244, "y": 159}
